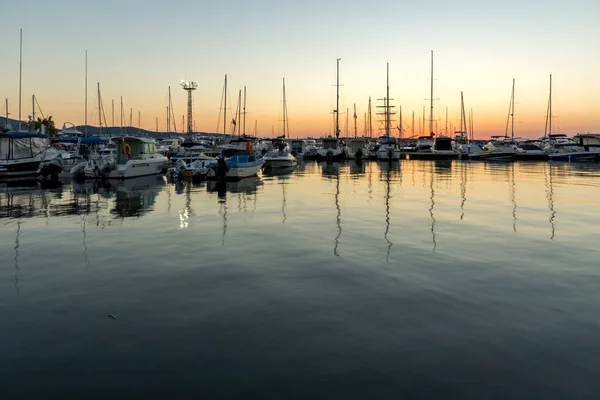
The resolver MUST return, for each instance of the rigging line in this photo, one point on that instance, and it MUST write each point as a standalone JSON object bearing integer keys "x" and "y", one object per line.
{"x": 39, "y": 108}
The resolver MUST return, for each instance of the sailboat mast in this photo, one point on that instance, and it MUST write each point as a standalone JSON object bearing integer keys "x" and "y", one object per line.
{"x": 370, "y": 119}
{"x": 387, "y": 101}
{"x": 112, "y": 109}
{"x": 284, "y": 111}
{"x": 347, "y": 117}
{"x": 413, "y": 124}
{"x": 244, "y": 111}
{"x": 472, "y": 125}
{"x": 121, "y": 122}
{"x": 6, "y": 121}
{"x": 225, "y": 107}
{"x": 237, "y": 113}
{"x": 400, "y": 126}
{"x": 355, "y": 133}
{"x": 550, "y": 109}
{"x": 130, "y": 117}
{"x": 431, "y": 99}
{"x": 512, "y": 111}
{"x": 446, "y": 121}
{"x": 99, "y": 110}
{"x": 139, "y": 122}
{"x": 33, "y": 113}
{"x": 462, "y": 115}
{"x": 337, "y": 100}
{"x": 86, "y": 102}
{"x": 169, "y": 112}
{"x": 20, "y": 73}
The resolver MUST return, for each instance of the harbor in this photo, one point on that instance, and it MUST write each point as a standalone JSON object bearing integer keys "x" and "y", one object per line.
{"x": 292, "y": 200}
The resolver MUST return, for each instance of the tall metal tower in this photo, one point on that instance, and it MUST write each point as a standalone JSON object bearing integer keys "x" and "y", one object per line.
{"x": 189, "y": 86}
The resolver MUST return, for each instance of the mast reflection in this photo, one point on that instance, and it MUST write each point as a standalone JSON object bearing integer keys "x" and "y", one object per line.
{"x": 513, "y": 189}
{"x": 432, "y": 198}
{"x": 550, "y": 198}
{"x": 463, "y": 188}
{"x": 338, "y": 216}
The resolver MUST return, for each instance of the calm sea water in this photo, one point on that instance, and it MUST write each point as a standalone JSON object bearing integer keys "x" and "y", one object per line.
{"x": 406, "y": 280}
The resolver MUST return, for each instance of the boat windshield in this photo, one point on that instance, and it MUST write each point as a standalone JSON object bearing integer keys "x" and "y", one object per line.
{"x": 21, "y": 148}
{"x": 330, "y": 144}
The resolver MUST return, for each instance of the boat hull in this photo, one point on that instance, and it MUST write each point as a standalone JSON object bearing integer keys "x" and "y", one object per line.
{"x": 137, "y": 168}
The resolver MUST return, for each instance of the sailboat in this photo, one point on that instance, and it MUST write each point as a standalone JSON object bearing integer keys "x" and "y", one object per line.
{"x": 21, "y": 152}
{"x": 388, "y": 147}
{"x": 331, "y": 148}
{"x": 280, "y": 156}
{"x": 560, "y": 148}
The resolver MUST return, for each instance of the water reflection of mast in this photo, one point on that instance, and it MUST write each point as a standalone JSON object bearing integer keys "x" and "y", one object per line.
{"x": 17, "y": 270}
{"x": 223, "y": 212}
{"x": 339, "y": 212}
{"x": 83, "y": 222}
{"x": 550, "y": 197}
{"x": 513, "y": 198}
{"x": 283, "y": 202}
{"x": 431, "y": 211}
{"x": 463, "y": 189}
{"x": 387, "y": 211}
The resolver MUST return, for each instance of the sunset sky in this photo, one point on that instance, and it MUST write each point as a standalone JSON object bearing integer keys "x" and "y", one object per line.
{"x": 136, "y": 49}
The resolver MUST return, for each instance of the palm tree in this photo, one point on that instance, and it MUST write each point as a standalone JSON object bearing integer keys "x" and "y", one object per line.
{"x": 48, "y": 124}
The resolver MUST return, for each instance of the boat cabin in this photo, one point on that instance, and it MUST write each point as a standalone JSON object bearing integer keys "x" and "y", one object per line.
{"x": 132, "y": 148}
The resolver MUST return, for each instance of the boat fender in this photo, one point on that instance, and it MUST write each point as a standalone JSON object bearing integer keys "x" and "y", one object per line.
{"x": 249, "y": 147}
{"x": 126, "y": 149}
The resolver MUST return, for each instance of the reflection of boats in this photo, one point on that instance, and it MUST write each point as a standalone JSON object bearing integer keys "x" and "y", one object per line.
{"x": 283, "y": 171}
{"x": 357, "y": 167}
{"x": 135, "y": 197}
{"x": 246, "y": 185}
{"x": 330, "y": 169}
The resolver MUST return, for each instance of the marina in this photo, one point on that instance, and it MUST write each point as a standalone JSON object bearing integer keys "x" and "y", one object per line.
{"x": 258, "y": 200}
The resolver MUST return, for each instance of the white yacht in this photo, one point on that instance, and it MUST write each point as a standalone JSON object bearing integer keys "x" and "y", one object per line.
{"x": 135, "y": 156}
{"x": 388, "y": 149}
{"x": 357, "y": 149}
{"x": 298, "y": 148}
{"x": 331, "y": 150}
{"x": 280, "y": 156}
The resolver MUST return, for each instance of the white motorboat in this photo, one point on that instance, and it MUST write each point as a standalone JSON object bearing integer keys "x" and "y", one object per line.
{"x": 234, "y": 164}
{"x": 298, "y": 148}
{"x": 135, "y": 156}
{"x": 280, "y": 156}
{"x": 388, "y": 149}
{"x": 331, "y": 150}
{"x": 357, "y": 149}
{"x": 22, "y": 152}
